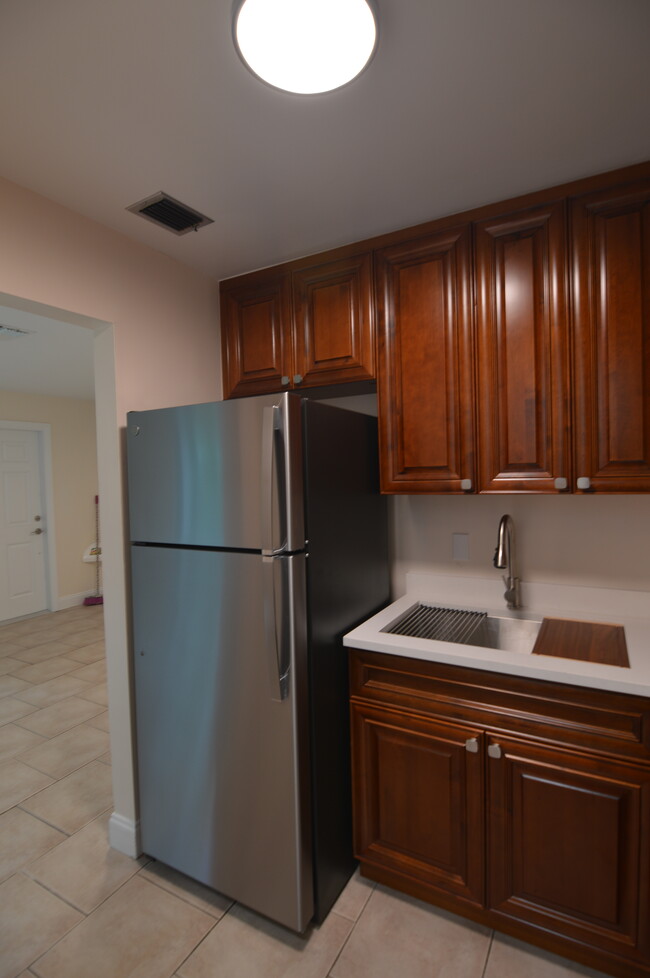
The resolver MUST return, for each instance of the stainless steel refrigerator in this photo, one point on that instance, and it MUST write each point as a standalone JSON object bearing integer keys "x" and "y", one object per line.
{"x": 258, "y": 538}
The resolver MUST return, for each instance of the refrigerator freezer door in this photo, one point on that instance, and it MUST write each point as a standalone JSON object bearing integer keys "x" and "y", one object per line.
{"x": 223, "y": 759}
{"x": 226, "y": 474}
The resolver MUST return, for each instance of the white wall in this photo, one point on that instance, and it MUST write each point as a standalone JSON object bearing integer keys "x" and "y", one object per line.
{"x": 597, "y": 541}
{"x": 74, "y": 480}
{"x": 157, "y": 344}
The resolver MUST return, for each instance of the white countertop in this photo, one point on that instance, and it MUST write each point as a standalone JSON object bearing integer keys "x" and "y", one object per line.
{"x": 631, "y": 609}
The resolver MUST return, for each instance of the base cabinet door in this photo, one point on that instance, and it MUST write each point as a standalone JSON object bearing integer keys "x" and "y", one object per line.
{"x": 566, "y": 836}
{"x": 418, "y": 800}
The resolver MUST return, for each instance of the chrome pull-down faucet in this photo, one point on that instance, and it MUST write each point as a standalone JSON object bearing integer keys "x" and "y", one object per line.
{"x": 504, "y": 558}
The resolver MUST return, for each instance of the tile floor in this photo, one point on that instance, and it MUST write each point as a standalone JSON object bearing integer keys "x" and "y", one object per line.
{"x": 70, "y": 907}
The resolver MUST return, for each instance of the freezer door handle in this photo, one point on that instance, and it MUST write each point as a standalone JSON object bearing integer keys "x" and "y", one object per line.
{"x": 273, "y": 488}
{"x": 277, "y": 621}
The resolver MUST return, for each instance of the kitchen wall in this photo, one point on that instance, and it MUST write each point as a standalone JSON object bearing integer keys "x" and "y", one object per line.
{"x": 74, "y": 480}
{"x": 594, "y": 541}
{"x": 156, "y": 343}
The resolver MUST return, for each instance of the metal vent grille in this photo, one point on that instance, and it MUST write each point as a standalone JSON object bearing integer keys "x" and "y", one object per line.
{"x": 439, "y": 624}
{"x": 13, "y": 332}
{"x": 170, "y": 213}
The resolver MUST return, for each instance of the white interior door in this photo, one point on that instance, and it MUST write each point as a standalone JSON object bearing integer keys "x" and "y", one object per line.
{"x": 22, "y": 525}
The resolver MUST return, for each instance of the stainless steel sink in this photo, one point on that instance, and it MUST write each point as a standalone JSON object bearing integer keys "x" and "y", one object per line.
{"x": 509, "y": 634}
{"x": 464, "y": 627}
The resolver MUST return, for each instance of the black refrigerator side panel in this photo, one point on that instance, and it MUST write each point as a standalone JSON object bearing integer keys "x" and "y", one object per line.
{"x": 347, "y": 581}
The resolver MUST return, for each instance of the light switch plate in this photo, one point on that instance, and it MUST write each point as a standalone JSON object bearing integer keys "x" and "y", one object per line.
{"x": 460, "y": 546}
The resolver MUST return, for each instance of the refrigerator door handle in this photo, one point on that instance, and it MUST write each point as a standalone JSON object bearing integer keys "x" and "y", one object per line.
{"x": 278, "y": 645}
{"x": 273, "y": 490}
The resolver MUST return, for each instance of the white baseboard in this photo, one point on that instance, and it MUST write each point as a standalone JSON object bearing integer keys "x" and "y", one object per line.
{"x": 124, "y": 835}
{"x": 71, "y": 600}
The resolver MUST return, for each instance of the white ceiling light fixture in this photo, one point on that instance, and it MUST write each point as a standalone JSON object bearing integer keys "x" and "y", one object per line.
{"x": 305, "y": 46}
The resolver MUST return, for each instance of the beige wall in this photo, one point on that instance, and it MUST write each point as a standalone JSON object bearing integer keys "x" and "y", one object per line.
{"x": 74, "y": 479}
{"x": 157, "y": 343}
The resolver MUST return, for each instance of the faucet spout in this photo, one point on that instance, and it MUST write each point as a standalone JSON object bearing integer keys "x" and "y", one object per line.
{"x": 504, "y": 559}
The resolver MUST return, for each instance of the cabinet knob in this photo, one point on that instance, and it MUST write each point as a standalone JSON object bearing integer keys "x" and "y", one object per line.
{"x": 284, "y": 381}
{"x": 471, "y": 745}
{"x": 561, "y": 483}
{"x": 584, "y": 482}
{"x": 494, "y": 750}
{"x": 297, "y": 378}
{"x": 466, "y": 485}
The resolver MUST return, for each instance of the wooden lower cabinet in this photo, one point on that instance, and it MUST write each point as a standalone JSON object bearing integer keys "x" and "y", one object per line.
{"x": 526, "y": 809}
{"x": 419, "y": 801}
{"x": 566, "y": 835}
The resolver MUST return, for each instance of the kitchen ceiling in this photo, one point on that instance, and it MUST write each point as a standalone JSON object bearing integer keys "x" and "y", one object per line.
{"x": 465, "y": 102}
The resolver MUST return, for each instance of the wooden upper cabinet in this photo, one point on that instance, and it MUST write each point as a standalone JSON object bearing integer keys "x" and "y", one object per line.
{"x": 333, "y": 322}
{"x": 522, "y": 338}
{"x": 611, "y": 296}
{"x": 298, "y": 326}
{"x": 255, "y": 341}
{"x": 425, "y": 364}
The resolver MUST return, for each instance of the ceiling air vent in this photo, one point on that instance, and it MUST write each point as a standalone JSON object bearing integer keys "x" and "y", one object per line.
{"x": 12, "y": 332}
{"x": 170, "y": 213}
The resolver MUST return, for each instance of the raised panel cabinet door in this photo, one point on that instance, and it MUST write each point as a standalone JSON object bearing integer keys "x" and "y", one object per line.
{"x": 523, "y": 375}
{"x": 333, "y": 322}
{"x": 418, "y": 802}
{"x": 425, "y": 364}
{"x": 568, "y": 845}
{"x": 611, "y": 305}
{"x": 256, "y": 335}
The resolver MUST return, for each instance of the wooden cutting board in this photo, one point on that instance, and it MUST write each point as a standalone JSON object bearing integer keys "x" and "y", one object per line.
{"x": 586, "y": 640}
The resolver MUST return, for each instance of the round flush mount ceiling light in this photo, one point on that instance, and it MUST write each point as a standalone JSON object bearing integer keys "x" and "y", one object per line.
{"x": 305, "y": 46}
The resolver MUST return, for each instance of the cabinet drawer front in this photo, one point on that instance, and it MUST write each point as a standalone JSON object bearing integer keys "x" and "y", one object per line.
{"x": 522, "y": 351}
{"x": 417, "y": 801}
{"x": 566, "y": 836}
{"x": 590, "y": 719}
{"x": 611, "y": 285}
{"x": 425, "y": 364}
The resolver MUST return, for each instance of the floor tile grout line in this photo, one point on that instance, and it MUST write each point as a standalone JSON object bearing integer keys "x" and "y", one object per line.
{"x": 103, "y": 709}
{"x": 352, "y": 929}
{"x": 147, "y": 879}
{"x": 57, "y": 777}
{"x": 178, "y": 967}
{"x": 50, "y": 825}
{"x": 487, "y": 956}
{"x": 44, "y": 886}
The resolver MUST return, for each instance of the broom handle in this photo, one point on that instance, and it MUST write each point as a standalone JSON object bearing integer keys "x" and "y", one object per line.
{"x": 97, "y": 546}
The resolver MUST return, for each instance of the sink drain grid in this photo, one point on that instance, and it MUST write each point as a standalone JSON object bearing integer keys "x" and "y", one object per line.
{"x": 439, "y": 624}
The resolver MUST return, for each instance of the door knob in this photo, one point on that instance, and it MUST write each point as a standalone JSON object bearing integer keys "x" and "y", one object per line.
{"x": 36, "y": 519}
{"x": 494, "y": 750}
{"x": 37, "y": 531}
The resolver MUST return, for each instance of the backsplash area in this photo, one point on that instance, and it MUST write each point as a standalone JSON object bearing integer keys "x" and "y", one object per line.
{"x": 593, "y": 541}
